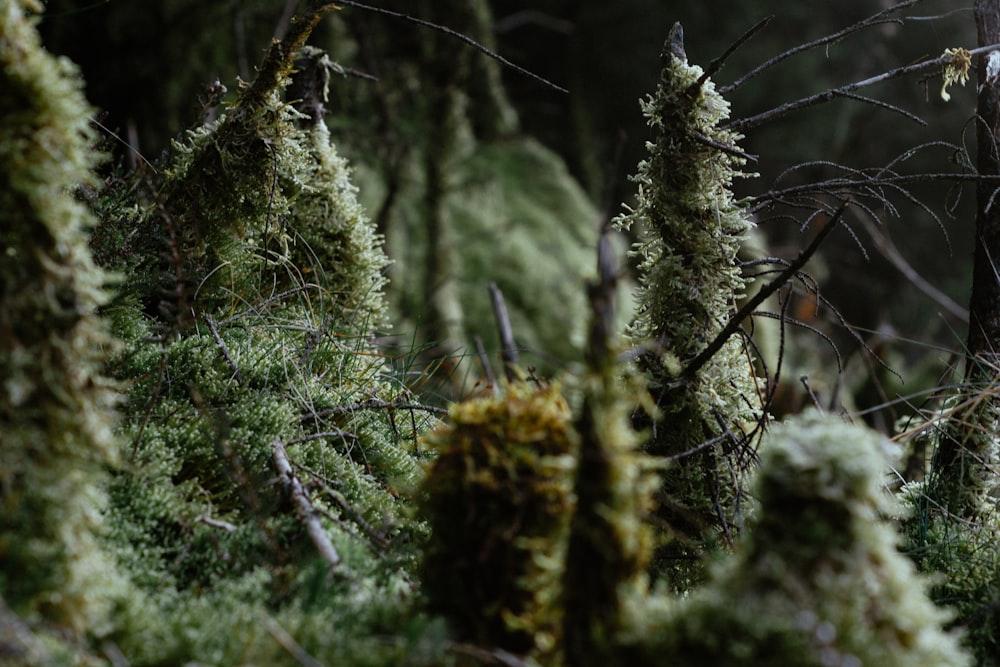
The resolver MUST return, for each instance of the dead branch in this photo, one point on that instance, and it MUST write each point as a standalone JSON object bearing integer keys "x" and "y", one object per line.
{"x": 875, "y": 19}
{"x": 303, "y": 506}
{"x": 457, "y": 35}
{"x": 742, "y": 124}
{"x": 767, "y": 290}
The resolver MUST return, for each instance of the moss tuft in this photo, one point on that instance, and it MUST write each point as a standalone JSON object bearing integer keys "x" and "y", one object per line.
{"x": 498, "y": 500}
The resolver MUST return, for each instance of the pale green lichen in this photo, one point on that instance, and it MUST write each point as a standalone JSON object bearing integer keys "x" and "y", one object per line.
{"x": 820, "y": 580}
{"x": 690, "y": 230}
{"x": 56, "y": 408}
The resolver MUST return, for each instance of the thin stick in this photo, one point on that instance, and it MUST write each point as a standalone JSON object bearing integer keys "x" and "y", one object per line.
{"x": 303, "y": 507}
{"x": 767, "y": 290}
{"x": 484, "y": 361}
{"x": 457, "y": 35}
{"x": 717, "y": 64}
{"x": 780, "y": 111}
{"x": 508, "y": 349}
{"x": 874, "y": 19}
{"x": 287, "y": 642}
{"x": 213, "y": 327}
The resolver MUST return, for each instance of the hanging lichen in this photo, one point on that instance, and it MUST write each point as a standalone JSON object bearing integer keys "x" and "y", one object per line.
{"x": 690, "y": 229}
{"x": 820, "y": 580}
{"x": 498, "y": 500}
{"x": 56, "y": 408}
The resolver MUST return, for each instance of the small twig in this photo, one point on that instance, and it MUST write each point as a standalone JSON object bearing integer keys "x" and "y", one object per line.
{"x": 457, "y": 35}
{"x": 303, "y": 507}
{"x": 484, "y": 361}
{"x": 889, "y": 250}
{"x": 767, "y": 290}
{"x": 717, "y": 64}
{"x": 379, "y": 541}
{"x": 725, "y": 148}
{"x": 374, "y": 404}
{"x": 783, "y": 110}
{"x": 344, "y": 435}
{"x": 222, "y": 346}
{"x": 508, "y": 348}
{"x": 287, "y": 642}
{"x": 217, "y": 523}
{"x": 875, "y": 19}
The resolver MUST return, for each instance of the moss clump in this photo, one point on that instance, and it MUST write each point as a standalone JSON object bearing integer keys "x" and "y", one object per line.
{"x": 249, "y": 324}
{"x": 820, "y": 580}
{"x": 56, "y": 408}
{"x": 690, "y": 230}
{"x": 498, "y": 500}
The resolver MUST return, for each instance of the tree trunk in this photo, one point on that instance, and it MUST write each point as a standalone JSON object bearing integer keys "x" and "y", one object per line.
{"x": 962, "y": 472}
{"x": 984, "y": 306}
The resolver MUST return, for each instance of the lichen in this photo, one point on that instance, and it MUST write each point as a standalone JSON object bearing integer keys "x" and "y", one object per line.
{"x": 690, "y": 229}
{"x": 819, "y": 581}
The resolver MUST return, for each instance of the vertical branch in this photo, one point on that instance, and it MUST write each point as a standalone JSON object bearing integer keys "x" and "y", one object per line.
{"x": 508, "y": 348}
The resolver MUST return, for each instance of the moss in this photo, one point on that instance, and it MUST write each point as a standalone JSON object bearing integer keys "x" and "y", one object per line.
{"x": 690, "y": 229}
{"x": 498, "y": 500}
{"x": 819, "y": 581}
{"x": 610, "y": 543}
{"x": 56, "y": 407}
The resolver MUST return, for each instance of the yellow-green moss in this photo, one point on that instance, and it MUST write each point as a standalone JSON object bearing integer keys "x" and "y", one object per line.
{"x": 498, "y": 500}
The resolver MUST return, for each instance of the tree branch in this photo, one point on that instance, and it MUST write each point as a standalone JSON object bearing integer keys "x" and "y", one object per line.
{"x": 767, "y": 290}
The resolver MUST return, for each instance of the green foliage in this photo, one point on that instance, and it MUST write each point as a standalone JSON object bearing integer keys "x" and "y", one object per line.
{"x": 498, "y": 500}
{"x": 819, "y": 581}
{"x": 690, "y": 229}
{"x": 56, "y": 407}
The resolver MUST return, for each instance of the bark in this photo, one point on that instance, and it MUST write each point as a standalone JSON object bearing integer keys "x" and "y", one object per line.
{"x": 984, "y": 306}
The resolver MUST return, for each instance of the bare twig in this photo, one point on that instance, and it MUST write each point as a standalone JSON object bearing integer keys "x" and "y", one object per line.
{"x": 303, "y": 507}
{"x": 217, "y": 523}
{"x": 741, "y": 124}
{"x": 875, "y": 19}
{"x": 508, "y": 348}
{"x": 375, "y": 404}
{"x": 287, "y": 642}
{"x": 767, "y": 290}
{"x": 717, "y": 64}
{"x": 888, "y": 250}
{"x": 222, "y": 346}
{"x": 457, "y": 35}
{"x": 484, "y": 361}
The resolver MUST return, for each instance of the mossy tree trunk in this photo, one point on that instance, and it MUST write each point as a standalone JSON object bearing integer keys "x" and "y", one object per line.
{"x": 962, "y": 475}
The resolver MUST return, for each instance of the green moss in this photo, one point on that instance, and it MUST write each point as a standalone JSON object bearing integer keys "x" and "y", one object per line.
{"x": 820, "y": 580}
{"x": 498, "y": 500}
{"x": 690, "y": 230}
{"x": 56, "y": 407}
{"x": 610, "y": 543}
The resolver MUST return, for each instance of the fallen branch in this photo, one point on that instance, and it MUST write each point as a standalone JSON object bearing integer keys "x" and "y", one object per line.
{"x": 303, "y": 507}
